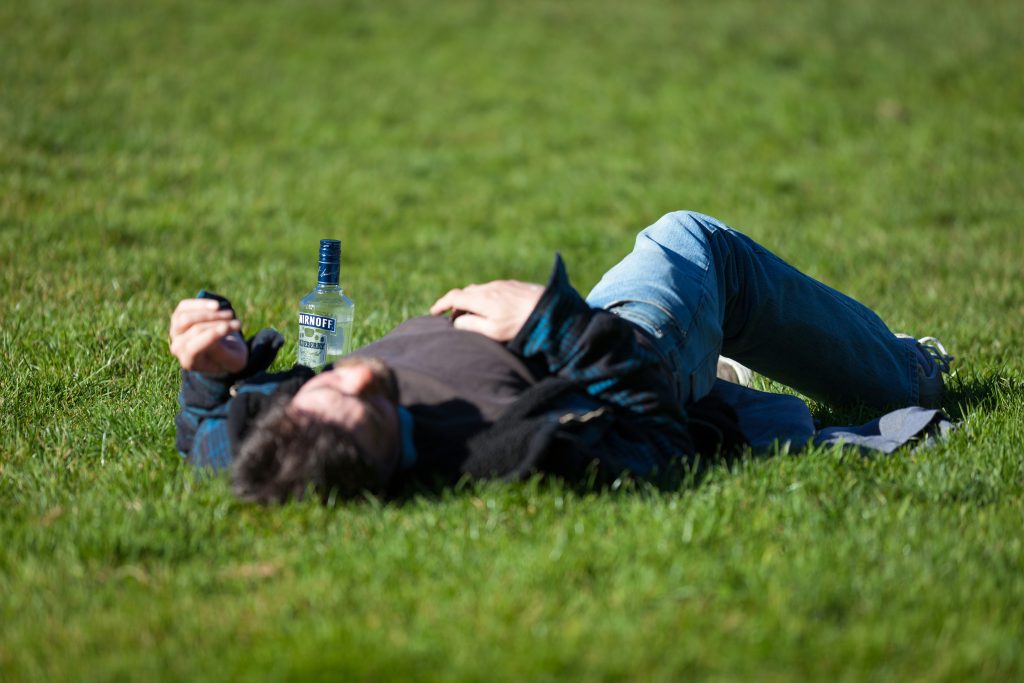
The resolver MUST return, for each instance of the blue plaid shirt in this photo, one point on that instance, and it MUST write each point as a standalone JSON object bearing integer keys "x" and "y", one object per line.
{"x": 617, "y": 372}
{"x": 616, "y": 367}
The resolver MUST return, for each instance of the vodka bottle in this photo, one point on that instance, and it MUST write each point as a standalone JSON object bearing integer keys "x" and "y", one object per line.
{"x": 325, "y": 314}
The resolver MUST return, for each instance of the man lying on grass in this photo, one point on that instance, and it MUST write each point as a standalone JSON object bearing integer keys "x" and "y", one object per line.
{"x": 524, "y": 378}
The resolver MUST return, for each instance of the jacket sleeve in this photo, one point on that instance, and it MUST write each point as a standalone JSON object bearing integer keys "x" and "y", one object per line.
{"x": 204, "y": 403}
{"x": 604, "y": 356}
{"x": 201, "y": 422}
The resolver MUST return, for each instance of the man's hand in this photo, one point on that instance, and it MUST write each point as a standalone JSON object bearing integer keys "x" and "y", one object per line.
{"x": 496, "y": 310}
{"x": 206, "y": 339}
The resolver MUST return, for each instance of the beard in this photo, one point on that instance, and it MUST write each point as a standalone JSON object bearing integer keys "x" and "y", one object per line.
{"x": 384, "y": 382}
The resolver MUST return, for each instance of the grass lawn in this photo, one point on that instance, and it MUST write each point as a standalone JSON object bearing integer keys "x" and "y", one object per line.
{"x": 148, "y": 149}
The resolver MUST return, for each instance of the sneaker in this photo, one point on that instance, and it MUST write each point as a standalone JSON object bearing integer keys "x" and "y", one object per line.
{"x": 734, "y": 372}
{"x": 932, "y": 363}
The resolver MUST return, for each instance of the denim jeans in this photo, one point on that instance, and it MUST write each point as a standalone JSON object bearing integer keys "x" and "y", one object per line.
{"x": 701, "y": 289}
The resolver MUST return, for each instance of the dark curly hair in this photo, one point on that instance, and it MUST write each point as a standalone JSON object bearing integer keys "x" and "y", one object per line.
{"x": 283, "y": 457}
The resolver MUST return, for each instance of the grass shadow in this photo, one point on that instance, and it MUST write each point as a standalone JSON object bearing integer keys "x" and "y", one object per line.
{"x": 964, "y": 396}
{"x": 968, "y": 395}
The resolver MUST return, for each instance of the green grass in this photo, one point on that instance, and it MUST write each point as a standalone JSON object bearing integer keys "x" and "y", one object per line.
{"x": 151, "y": 149}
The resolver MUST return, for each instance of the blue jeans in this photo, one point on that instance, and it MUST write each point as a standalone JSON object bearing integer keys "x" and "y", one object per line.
{"x": 701, "y": 289}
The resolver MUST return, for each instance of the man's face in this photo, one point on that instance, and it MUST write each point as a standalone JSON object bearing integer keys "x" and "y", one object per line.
{"x": 359, "y": 394}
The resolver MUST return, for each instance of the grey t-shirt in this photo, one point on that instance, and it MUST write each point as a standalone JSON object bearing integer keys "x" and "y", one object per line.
{"x": 453, "y": 382}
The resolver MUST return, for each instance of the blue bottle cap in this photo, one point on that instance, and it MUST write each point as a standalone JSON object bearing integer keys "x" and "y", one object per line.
{"x": 330, "y": 251}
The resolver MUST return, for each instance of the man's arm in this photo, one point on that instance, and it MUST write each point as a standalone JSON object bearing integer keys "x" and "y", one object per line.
{"x": 205, "y": 337}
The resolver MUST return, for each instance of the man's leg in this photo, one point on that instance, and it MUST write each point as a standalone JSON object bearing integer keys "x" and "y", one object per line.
{"x": 701, "y": 289}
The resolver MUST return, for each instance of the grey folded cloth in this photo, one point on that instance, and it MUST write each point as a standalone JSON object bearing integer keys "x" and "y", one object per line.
{"x": 891, "y": 431}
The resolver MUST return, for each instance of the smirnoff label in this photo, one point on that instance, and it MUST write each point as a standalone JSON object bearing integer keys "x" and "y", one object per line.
{"x": 316, "y": 322}
{"x": 313, "y": 331}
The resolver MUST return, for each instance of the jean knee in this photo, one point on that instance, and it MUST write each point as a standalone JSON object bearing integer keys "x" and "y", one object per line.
{"x": 683, "y": 231}
{"x": 694, "y": 220}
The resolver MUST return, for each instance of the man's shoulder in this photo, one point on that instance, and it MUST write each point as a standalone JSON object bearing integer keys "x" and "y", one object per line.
{"x": 267, "y": 383}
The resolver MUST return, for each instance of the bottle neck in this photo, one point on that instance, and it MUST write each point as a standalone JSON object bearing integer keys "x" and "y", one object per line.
{"x": 327, "y": 274}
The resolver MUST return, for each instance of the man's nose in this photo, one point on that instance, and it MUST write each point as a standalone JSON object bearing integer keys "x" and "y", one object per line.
{"x": 355, "y": 379}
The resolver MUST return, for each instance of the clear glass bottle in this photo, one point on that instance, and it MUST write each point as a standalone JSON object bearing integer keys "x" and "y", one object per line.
{"x": 325, "y": 314}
